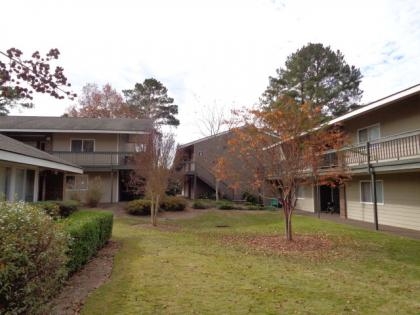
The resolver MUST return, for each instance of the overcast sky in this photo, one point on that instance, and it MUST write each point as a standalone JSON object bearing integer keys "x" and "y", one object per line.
{"x": 212, "y": 52}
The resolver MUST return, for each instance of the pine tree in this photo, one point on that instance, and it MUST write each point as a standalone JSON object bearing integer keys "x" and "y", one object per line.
{"x": 317, "y": 75}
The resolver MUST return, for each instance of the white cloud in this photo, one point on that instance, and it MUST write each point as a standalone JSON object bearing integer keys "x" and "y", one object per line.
{"x": 213, "y": 51}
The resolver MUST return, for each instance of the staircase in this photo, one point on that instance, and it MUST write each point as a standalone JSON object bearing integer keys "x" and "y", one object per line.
{"x": 205, "y": 175}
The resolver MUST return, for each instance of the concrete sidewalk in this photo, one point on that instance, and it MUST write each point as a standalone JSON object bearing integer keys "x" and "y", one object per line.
{"x": 365, "y": 225}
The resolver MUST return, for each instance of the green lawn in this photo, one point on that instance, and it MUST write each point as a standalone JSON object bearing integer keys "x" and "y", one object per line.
{"x": 187, "y": 268}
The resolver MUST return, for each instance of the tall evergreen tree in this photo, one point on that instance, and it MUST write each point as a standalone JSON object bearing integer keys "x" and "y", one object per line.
{"x": 150, "y": 100}
{"x": 317, "y": 75}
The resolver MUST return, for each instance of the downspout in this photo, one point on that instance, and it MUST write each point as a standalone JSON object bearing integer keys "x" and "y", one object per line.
{"x": 372, "y": 173}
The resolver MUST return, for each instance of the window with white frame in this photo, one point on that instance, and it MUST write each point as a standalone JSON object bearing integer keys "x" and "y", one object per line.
{"x": 82, "y": 145}
{"x": 76, "y": 182}
{"x": 366, "y": 192}
{"x": 369, "y": 133}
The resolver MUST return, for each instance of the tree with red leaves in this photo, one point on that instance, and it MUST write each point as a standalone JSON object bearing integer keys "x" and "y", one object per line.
{"x": 284, "y": 148}
{"x": 20, "y": 77}
{"x": 100, "y": 103}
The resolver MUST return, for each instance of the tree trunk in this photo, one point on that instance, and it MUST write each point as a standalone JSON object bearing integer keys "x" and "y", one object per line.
{"x": 289, "y": 227}
{"x": 287, "y": 210}
{"x": 156, "y": 210}
{"x": 152, "y": 209}
{"x": 217, "y": 190}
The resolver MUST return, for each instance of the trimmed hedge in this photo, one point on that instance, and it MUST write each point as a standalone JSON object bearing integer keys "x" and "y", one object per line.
{"x": 89, "y": 230}
{"x": 138, "y": 207}
{"x": 32, "y": 258}
{"x": 171, "y": 203}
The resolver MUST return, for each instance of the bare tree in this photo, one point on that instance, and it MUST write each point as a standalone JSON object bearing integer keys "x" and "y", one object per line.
{"x": 213, "y": 119}
{"x": 153, "y": 168}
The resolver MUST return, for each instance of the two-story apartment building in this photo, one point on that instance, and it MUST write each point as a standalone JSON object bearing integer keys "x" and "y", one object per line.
{"x": 385, "y": 144}
{"x": 101, "y": 147}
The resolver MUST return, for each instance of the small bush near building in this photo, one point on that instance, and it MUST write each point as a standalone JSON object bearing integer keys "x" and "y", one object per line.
{"x": 250, "y": 197}
{"x": 89, "y": 231}
{"x": 51, "y": 208}
{"x": 138, "y": 207}
{"x": 199, "y": 205}
{"x": 32, "y": 258}
{"x": 226, "y": 206}
{"x": 94, "y": 193}
{"x": 58, "y": 209}
{"x": 68, "y": 207}
{"x": 171, "y": 203}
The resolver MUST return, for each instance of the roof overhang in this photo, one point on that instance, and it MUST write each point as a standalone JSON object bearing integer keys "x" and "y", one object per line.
{"x": 75, "y": 131}
{"x": 379, "y": 103}
{"x": 28, "y": 160}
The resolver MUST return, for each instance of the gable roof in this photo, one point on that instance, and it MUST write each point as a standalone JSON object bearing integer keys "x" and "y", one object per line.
{"x": 388, "y": 100}
{"x": 15, "y": 151}
{"x": 74, "y": 124}
{"x": 182, "y": 146}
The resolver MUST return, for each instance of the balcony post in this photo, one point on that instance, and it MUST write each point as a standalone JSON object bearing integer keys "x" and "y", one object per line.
{"x": 372, "y": 173}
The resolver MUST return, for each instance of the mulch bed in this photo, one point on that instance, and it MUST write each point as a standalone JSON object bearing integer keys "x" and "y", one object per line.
{"x": 95, "y": 273}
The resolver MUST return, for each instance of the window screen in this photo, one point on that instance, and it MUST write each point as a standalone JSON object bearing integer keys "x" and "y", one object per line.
{"x": 366, "y": 192}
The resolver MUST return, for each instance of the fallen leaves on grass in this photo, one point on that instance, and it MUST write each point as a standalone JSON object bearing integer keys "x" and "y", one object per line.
{"x": 315, "y": 246}
{"x": 160, "y": 227}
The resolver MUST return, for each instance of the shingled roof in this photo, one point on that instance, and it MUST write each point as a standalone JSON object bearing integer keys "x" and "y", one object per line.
{"x": 9, "y": 145}
{"x": 74, "y": 124}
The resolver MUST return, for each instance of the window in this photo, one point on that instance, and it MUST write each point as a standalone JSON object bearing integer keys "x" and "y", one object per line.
{"x": 76, "y": 182}
{"x": 300, "y": 192}
{"x": 82, "y": 145}
{"x": 140, "y": 147}
{"x": 369, "y": 134}
{"x": 366, "y": 192}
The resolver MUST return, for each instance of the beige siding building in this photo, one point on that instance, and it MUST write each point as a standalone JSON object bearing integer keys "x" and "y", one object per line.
{"x": 388, "y": 131}
{"x": 103, "y": 148}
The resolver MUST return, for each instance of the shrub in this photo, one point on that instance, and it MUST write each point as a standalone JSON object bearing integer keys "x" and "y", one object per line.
{"x": 173, "y": 204}
{"x": 50, "y": 207}
{"x": 250, "y": 197}
{"x": 94, "y": 193}
{"x": 32, "y": 258}
{"x": 226, "y": 206}
{"x": 67, "y": 207}
{"x": 138, "y": 207}
{"x": 89, "y": 230}
{"x": 199, "y": 205}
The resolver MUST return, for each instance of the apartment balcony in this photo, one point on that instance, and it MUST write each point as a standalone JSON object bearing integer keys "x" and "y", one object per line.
{"x": 99, "y": 160}
{"x": 396, "y": 153}
{"x": 188, "y": 167}
{"x": 395, "y": 148}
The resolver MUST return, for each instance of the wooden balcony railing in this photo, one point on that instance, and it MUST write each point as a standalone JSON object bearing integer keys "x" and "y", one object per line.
{"x": 386, "y": 149}
{"x": 98, "y": 159}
